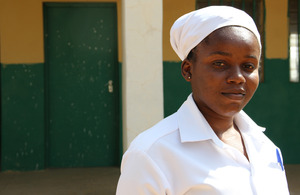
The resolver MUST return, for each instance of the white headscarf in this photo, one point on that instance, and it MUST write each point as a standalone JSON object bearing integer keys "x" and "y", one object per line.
{"x": 190, "y": 29}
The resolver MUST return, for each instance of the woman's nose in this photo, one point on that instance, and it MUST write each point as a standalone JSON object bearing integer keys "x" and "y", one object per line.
{"x": 235, "y": 76}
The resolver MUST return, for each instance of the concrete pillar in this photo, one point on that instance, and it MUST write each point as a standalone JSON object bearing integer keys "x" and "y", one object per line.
{"x": 142, "y": 76}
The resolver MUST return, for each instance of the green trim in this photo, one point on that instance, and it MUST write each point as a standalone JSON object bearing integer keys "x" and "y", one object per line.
{"x": 22, "y": 117}
{"x": 121, "y": 114}
{"x": 254, "y": 16}
{"x": 22, "y": 122}
{"x": 243, "y": 5}
{"x": 1, "y": 124}
{"x": 46, "y": 89}
{"x": 79, "y": 4}
{"x": 176, "y": 89}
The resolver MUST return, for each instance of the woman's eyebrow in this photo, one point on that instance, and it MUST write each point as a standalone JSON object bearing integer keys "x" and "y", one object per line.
{"x": 251, "y": 56}
{"x": 220, "y": 53}
{"x": 223, "y": 53}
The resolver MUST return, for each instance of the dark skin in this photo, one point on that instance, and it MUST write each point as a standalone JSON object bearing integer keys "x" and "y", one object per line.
{"x": 223, "y": 72}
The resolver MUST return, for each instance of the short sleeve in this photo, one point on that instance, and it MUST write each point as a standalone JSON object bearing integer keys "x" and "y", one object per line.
{"x": 140, "y": 175}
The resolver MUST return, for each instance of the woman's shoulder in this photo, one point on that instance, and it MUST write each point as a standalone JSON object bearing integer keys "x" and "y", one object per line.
{"x": 147, "y": 138}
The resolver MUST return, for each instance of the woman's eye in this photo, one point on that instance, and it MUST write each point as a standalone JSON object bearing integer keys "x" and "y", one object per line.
{"x": 219, "y": 64}
{"x": 249, "y": 67}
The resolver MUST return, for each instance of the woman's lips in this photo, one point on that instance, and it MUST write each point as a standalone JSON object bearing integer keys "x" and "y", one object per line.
{"x": 234, "y": 94}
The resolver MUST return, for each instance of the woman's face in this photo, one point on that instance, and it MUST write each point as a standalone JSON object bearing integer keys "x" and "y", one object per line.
{"x": 224, "y": 72}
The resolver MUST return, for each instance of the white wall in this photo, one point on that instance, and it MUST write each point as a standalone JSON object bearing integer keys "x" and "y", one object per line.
{"x": 142, "y": 66}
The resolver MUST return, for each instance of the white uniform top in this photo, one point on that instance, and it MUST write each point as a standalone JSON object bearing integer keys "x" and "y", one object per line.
{"x": 182, "y": 155}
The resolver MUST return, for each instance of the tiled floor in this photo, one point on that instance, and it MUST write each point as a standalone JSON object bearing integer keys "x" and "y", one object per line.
{"x": 86, "y": 181}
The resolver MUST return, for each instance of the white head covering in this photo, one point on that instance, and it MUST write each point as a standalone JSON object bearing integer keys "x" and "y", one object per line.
{"x": 190, "y": 29}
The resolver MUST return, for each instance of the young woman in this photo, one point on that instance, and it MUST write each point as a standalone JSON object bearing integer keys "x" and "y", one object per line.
{"x": 209, "y": 146}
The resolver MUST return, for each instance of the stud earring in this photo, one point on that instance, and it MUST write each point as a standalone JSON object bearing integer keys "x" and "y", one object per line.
{"x": 189, "y": 77}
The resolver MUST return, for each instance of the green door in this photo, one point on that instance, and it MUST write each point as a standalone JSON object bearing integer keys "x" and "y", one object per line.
{"x": 82, "y": 92}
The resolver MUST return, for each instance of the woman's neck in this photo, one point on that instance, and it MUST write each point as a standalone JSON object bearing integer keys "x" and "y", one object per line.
{"x": 228, "y": 132}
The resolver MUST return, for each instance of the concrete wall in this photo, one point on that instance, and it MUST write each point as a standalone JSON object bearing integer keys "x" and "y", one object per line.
{"x": 142, "y": 66}
{"x": 276, "y": 29}
{"x": 21, "y": 30}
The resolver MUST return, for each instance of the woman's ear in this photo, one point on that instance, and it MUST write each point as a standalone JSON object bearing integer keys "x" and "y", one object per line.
{"x": 186, "y": 66}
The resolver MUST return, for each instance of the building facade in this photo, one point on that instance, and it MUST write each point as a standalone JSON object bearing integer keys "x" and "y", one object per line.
{"x": 80, "y": 79}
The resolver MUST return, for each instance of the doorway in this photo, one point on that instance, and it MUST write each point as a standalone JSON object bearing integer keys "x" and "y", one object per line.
{"x": 81, "y": 85}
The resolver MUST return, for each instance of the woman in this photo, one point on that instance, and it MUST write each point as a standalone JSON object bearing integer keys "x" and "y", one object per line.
{"x": 209, "y": 146}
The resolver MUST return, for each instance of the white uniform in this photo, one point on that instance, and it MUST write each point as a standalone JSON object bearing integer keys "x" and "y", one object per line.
{"x": 182, "y": 155}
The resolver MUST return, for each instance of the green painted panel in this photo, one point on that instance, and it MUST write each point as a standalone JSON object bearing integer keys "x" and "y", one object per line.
{"x": 82, "y": 66}
{"x": 22, "y": 117}
{"x": 176, "y": 89}
{"x": 275, "y": 104}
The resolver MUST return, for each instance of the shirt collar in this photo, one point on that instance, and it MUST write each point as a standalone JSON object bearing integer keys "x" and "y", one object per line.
{"x": 194, "y": 127}
{"x": 248, "y": 126}
{"x": 192, "y": 124}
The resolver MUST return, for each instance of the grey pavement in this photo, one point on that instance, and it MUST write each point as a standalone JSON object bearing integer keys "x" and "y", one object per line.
{"x": 71, "y": 181}
{"x": 86, "y": 181}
